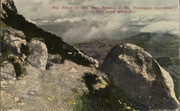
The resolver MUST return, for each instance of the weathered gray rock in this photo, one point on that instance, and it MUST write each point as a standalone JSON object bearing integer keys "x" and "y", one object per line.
{"x": 38, "y": 54}
{"x": 14, "y": 38}
{"x": 10, "y": 31}
{"x": 12, "y": 41}
{"x": 54, "y": 58}
{"x": 145, "y": 83}
{"x": 55, "y": 44}
{"x": 7, "y": 71}
{"x": 43, "y": 90}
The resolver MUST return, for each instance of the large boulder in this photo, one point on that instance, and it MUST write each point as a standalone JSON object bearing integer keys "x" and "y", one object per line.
{"x": 145, "y": 83}
{"x": 38, "y": 54}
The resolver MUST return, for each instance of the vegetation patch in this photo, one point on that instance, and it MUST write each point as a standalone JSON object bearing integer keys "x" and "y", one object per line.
{"x": 3, "y": 25}
{"x": 110, "y": 98}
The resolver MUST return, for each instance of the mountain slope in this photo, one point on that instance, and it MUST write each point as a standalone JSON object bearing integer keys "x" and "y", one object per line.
{"x": 54, "y": 44}
{"x": 163, "y": 47}
{"x": 39, "y": 71}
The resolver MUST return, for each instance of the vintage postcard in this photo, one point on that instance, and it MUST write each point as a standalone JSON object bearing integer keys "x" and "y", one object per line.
{"x": 90, "y": 55}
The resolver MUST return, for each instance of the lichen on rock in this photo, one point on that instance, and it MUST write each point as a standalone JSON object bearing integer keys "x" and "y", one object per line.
{"x": 38, "y": 54}
{"x": 144, "y": 81}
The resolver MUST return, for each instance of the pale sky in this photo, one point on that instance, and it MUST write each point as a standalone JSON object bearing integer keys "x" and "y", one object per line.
{"x": 82, "y": 24}
{"x": 43, "y": 8}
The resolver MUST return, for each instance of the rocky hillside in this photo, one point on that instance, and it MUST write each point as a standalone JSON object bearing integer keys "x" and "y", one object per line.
{"x": 163, "y": 47}
{"x": 55, "y": 45}
{"x": 39, "y": 71}
{"x": 39, "y": 81}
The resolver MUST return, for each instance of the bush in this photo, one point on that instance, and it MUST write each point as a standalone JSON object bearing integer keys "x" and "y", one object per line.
{"x": 110, "y": 98}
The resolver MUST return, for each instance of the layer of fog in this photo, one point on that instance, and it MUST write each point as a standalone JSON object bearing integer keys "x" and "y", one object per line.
{"x": 80, "y": 25}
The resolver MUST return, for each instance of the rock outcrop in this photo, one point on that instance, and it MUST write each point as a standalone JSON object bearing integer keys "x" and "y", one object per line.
{"x": 163, "y": 47}
{"x": 38, "y": 54}
{"x": 55, "y": 44}
{"x": 14, "y": 39}
{"x": 54, "y": 82}
{"x": 10, "y": 5}
{"x": 7, "y": 71}
{"x": 145, "y": 83}
{"x": 11, "y": 48}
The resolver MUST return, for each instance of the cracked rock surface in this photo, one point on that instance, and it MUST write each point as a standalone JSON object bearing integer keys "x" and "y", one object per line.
{"x": 143, "y": 80}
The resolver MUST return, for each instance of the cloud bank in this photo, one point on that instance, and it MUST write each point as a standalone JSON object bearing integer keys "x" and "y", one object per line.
{"x": 80, "y": 25}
